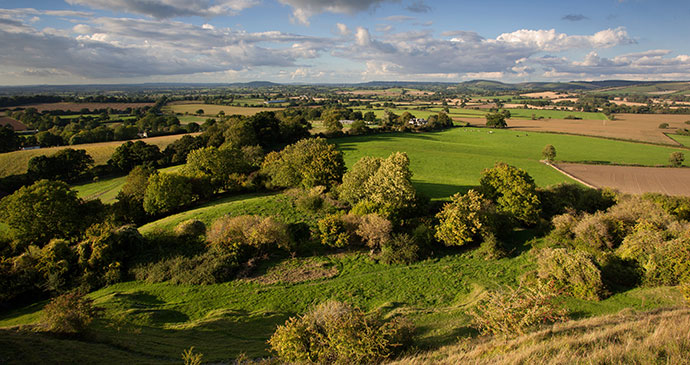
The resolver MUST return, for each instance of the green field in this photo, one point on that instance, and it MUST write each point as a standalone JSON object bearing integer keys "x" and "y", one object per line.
{"x": 17, "y": 162}
{"x": 106, "y": 190}
{"x": 684, "y": 140}
{"x": 450, "y": 161}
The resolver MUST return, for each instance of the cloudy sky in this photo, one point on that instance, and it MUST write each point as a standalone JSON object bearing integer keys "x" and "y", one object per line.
{"x": 321, "y": 41}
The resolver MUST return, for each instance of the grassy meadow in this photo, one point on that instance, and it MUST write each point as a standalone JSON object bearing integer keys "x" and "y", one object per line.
{"x": 451, "y": 161}
{"x": 684, "y": 140}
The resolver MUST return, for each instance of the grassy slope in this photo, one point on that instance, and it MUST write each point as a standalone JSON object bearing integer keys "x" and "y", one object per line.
{"x": 450, "y": 161}
{"x": 17, "y": 162}
{"x": 158, "y": 321}
{"x": 659, "y": 336}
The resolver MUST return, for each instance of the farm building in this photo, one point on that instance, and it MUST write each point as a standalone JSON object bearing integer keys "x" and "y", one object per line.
{"x": 417, "y": 122}
{"x": 16, "y": 125}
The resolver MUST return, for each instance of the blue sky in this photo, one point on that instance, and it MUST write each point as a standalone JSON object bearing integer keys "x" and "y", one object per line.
{"x": 321, "y": 41}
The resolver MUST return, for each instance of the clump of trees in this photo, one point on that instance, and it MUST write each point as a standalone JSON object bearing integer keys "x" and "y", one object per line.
{"x": 307, "y": 163}
{"x": 498, "y": 119}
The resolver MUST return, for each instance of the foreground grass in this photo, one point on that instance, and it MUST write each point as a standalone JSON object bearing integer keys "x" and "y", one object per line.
{"x": 153, "y": 323}
{"x": 656, "y": 337}
{"x": 17, "y": 162}
{"x": 451, "y": 161}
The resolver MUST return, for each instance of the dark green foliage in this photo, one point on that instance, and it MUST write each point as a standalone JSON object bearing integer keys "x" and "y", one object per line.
{"x": 497, "y": 120}
{"x": 358, "y": 127}
{"x": 107, "y": 253}
{"x": 9, "y": 141}
{"x": 225, "y": 168}
{"x": 69, "y": 313}
{"x": 43, "y": 211}
{"x": 210, "y": 267}
{"x": 307, "y": 163}
{"x": 513, "y": 190}
{"x": 176, "y": 152}
{"x": 336, "y": 333}
{"x": 558, "y": 199}
{"x": 137, "y": 182}
{"x": 402, "y": 248}
{"x": 59, "y": 266}
{"x": 67, "y": 165}
{"x": 167, "y": 192}
{"x": 131, "y": 154}
{"x": 663, "y": 126}
{"x": 465, "y": 219}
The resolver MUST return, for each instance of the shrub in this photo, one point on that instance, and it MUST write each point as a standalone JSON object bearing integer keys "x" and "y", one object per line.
{"x": 69, "y": 313}
{"x": 663, "y": 125}
{"x": 211, "y": 267}
{"x": 374, "y": 230}
{"x": 335, "y": 332}
{"x": 248, "y": 230}
{"x": 669, "y": 264}
{"x": 549, "y": 152}
{"x": 679, "y": 206}
{"x": 307, "y": 163}
{"x": 509, "y": 312}
{"x": 333, "y": 231}
{"x": 676, "y": 159}
{"x": 106, "y": 253}
{"x": 573, "y": 272}
{"x": 513, "y": 190}
{"x": 167, "y": 192}
{"x": 562, "y": 198}
{"x": 400, "y": 249}
{"x": 464, "y": 219}
{"x": 190, "y": 228}
{"x": 491, "y": 248}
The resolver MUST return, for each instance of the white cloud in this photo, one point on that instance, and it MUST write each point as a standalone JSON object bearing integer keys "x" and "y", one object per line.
{"x": 550, "y": 41}
{"x": 343, "y": 29}
{"x": 163, "y": 9}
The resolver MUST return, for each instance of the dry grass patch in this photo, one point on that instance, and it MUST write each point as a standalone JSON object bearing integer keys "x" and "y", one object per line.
{"x": 297, "y": 271}
{"x": 17, "y": 162}
{"x": 212, "y": 110}
{"x": 660, "y": 336}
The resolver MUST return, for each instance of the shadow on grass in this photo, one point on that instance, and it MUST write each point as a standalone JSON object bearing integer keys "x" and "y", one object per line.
{"x": 439, "y": 191}
{"x": 435, "y": 342}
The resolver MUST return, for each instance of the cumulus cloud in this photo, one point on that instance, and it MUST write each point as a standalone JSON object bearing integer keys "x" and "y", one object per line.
{"x": 466, "y": 52}
{"x": 124, "y": 47}
{"x": 305, "y": 9}
{"x": 343, "y": 29}
{"x": 163, "y": 9}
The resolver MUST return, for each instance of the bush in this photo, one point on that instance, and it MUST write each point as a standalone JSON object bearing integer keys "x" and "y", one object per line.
{"x": 190, "y": 228}
{"x": 669, "y": 264}
{"x": 249, "y": 230}
{"x": 336, "y": 333}
{"x": 333, "y": 231}
{"x": 491, "y": 248}
{"x": 562, "y": 198}
{"x": 211, "y": 267}
{"x": 549, "y": 152}
{"x": 598, "y": 231}
{"x": 510, "y": 312}
{"x": 663, "y": 125}
{"x": 676, "y": 159}
{"x": 464, "y": 219}
{"x": 513, "y": 190}
{"x": 374, "y": 230}
{"x": 307, "y": 163}
{"x": 167, "y": 192}
{"x": 573, "y": 272}
{"x": 400, "y": 249}
{"x": 679, "y": 206}
{"x": 69, "y": 313}
{"x": 107, "y": 252}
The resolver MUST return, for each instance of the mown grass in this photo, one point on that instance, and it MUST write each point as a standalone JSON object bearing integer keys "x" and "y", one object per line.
{"x": 17, "y": 162}
{"x": 451, "y": 161}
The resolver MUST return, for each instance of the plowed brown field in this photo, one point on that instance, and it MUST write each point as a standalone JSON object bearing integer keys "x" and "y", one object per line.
{"x": 636, "y": 127}
{"x": 633, "y": 180}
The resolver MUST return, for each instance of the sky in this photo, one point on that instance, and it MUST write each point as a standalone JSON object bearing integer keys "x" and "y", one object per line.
{"x": 341, "y": 41}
